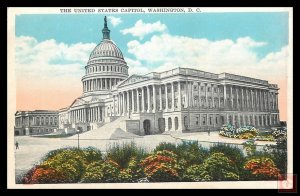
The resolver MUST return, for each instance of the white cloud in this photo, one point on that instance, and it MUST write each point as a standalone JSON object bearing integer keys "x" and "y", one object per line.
{"x": 136, "y": 67}
{"x": 115, "y": 21}
{"x": 164, "y": 52}
{"x": 140, "y": 29}
{"x": 49, "y": 59}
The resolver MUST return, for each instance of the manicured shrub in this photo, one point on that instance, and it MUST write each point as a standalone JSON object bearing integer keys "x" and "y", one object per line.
{"x": 122, "y": 154}
{"x": 107, "y": 171}
{"x": 43, "y": 175}
{"x": 92, "y": 154}
{"x": 235, "y": 154}
{"x": 262, "y": 169}
{"x": 70, "y": 162}
{"x": 190, "y": 151}
{"x": 220, "y": 168}
{"x": 196, "y": 173}
{"x": 166, "y": 146}
{"x": 133, "y": 173}
{"x": 162, "y": 166}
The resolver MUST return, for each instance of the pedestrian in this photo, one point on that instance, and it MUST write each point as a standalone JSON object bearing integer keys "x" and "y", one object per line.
{"x": 17, "y": 145}
{"x": 208, "y": 132}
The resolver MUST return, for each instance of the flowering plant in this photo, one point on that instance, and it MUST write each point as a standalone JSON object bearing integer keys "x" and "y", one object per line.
{"x": 161, "y": 166}
{"x": 262, "y": 168}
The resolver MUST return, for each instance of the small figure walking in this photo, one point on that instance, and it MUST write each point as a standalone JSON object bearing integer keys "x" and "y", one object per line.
{"x": 208, "y": 132}
{"x": 17, "y": 145}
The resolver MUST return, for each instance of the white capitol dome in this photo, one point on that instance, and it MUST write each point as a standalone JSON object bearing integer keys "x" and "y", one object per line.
{"x": 106, "y": 48}
{"x": 106, "y": 66}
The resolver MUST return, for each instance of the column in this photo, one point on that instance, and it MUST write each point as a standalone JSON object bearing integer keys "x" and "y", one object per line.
{"x": 123, "y": 103}
{"x": 148, "y": 99}
{"x": 179, "y": 96}
{"x": 252, "y": 99}
{"x": 242, "y": 99}
{"x": 137, "y": 101}
{"x": 94, "y": 114}
{"x": 225, "y": 98}
{"x": 166, "y": 94}
{"x": 186, "y": 93}
{"x": 213, "y": 97}
{"x": 191, "y": 94}
{"x": 256, "y": 104}
{"x": 128, "y": 102}
{"x": 173, "y": 96}
{"x": 79, "y": 114}
{"x": 199, "y": 97}
{"x": 105, "y": 84}
{"x": 219, "y": 97}
{"x": 231, "y": 97}
{"x": 132, "y": 101}
{"x": 143, "y": 100}
{"x": 83, "y": 114}
{"x": 114, "y": 105}
{"x": 154, "y": 97}
{"x": 99, "y": 114}
{"x": 277, "y": 103}
{"x": 237, "y": 98}
{"x": 91, "y": 114}
{"x": 206, "y": 100}
{"x": 247, "y": 99}
{"x": 160, "y": 98}
{"x": 118, "y": 103}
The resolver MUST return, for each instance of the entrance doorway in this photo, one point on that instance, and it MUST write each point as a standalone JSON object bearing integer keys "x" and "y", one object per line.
{"x": 146, "y": 125}
{"x": 161, "y": 125}
{"x": 24, "y": 132}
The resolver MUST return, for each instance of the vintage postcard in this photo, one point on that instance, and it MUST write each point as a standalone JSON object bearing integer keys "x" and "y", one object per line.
{"x": 168, "y": 97}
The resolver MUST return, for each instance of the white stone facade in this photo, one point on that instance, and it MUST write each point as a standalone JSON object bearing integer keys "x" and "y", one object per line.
{"x": 180, "y": 99}
{"x": 35, "y": 122}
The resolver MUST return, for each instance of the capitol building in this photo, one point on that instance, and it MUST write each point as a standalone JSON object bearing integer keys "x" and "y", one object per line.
{"x": 177, "y": 100}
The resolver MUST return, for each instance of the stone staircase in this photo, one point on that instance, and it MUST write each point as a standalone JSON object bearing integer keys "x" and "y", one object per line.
{"x": 110, "y": 130}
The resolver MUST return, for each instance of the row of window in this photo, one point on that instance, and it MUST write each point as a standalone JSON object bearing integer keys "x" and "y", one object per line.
{"x": 107, "y": 68}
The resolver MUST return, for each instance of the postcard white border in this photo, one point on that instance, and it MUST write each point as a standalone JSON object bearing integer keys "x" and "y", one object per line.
{"x": 11, "y": 109}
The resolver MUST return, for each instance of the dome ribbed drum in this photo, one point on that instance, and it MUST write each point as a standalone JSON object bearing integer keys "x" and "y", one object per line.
{"x": 106, "y": 66}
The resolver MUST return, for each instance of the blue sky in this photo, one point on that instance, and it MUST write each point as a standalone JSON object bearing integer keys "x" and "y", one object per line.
{"x": 53, "y": 49}
{"x": 271, "y": 28}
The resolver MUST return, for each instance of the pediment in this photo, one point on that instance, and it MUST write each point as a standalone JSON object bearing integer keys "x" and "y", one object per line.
{"x": 77, "y": 102}
{"x": 133, "y": 79}
{"x": 94, "y": 99}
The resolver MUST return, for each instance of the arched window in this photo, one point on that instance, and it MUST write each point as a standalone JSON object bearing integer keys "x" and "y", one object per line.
{"x": 51, "y": 120}
{"x": 99, "y": 68}
{"x": 47, "y": 120}
{"x": 169, "y": 123}
{"x": 176, "y": 123}
{"x": 103, "y": 68}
